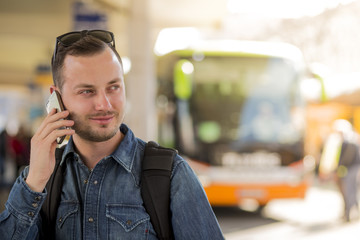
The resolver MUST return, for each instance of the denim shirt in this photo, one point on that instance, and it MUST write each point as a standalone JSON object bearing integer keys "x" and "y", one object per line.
{"x": 106, "y": 203}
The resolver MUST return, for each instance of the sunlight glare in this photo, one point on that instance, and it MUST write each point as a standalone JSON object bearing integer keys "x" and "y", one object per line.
{"x": 283, "y": 8}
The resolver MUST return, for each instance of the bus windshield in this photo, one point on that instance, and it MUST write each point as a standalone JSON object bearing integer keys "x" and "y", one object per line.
{"x": 244, "y": 100}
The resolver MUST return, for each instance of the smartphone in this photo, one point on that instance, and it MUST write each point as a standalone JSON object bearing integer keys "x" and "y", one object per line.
{"x": 55, "y": 101}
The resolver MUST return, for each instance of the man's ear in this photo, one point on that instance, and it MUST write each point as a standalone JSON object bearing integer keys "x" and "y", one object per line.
{"x": 53, "y": 88}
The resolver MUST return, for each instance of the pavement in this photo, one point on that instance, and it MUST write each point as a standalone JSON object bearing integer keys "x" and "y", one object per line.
{"x": 317, "y": 217}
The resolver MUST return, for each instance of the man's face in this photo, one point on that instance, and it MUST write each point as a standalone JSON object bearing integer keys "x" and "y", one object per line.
{"x": 94, "y": 94}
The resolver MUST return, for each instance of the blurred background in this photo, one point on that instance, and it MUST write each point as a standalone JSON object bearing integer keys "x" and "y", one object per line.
{"x": 262, "y": 98}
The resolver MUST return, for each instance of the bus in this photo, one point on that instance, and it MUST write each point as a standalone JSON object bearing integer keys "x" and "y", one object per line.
{"x": 234, "y": 110}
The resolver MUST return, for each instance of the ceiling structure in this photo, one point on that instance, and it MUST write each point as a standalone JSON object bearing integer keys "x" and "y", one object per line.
{"x": 27, "y": 28}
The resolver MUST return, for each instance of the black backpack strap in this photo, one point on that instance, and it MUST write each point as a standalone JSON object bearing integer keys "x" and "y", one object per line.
{"x": 49, "y": 209}
{"x": 155, "y": 187}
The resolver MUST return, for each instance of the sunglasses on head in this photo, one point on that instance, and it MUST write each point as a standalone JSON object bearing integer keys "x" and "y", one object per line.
{"x": 70, "y": 38}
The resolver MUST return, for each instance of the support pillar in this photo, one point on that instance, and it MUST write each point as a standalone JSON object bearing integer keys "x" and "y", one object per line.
{"x": 140, "y": 82}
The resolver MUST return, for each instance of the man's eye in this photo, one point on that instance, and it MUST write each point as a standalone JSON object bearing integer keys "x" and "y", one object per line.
{"x": 115, "y": 87}
{"x": 86, "y": 92}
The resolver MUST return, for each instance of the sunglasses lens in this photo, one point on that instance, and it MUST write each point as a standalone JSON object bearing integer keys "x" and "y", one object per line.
{"x": 102, "y": 35}
{"x": 69, "y": 39}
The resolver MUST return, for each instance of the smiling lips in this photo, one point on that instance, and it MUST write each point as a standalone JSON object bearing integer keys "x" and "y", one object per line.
{"x": 103, "y": 120}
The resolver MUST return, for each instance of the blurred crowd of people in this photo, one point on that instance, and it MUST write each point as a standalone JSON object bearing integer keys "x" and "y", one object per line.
{"x": 14, "y": 154}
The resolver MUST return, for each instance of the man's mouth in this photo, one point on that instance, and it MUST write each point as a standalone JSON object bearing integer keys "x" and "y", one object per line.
{"x": 102, "y": 120}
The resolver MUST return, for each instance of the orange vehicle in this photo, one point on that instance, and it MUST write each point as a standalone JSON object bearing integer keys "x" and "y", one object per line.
{"x": 234, "y": 111}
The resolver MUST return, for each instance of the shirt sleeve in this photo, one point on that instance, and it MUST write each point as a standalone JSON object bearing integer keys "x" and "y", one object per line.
{"x": 192, "y": 215}
{"x": 21, "y": 217}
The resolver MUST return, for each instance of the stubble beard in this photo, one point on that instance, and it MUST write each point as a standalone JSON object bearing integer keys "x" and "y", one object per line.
{"x": 87, "y": 132}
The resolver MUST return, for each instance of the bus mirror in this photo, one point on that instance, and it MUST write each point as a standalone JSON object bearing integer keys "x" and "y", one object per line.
{"x": 183, "y": 73}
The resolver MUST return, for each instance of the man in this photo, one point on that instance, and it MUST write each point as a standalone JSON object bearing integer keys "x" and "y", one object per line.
{"x": 340, "y": 161}
{"x": 100, "y": 197}
{"x": 347, "y": 171}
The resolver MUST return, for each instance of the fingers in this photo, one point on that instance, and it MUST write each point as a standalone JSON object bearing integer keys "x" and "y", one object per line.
{"x": 59, "y": 133}
{"x": 54, "y": 125}
{"x": 56, "y": 115}
{"x": 53, "y": 116}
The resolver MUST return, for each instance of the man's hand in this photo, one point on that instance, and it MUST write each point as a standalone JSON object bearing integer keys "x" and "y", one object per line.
{"x": 43, "y": 145}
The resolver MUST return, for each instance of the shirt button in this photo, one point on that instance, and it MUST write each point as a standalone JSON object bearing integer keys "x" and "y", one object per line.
{"x": 60, "y": 219}
{"x": 128, "y": 222}
{"x": 85, "y": 181}
{"x": 31, "y": 214}
{"x": 37, "y": 198}
{"x": 35, "y": 205}
{"x": 91, "y": 219}
{"x": 95, "y": 182}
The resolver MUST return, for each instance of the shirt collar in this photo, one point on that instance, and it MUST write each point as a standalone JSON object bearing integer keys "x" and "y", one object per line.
{"x": 124, "y": 153}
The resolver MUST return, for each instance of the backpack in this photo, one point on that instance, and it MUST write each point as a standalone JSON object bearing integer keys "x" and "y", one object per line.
{"x": 155, "y": 191}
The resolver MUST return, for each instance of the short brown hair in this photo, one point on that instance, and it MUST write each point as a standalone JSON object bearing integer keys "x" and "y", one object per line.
{"x": 86, "y": 46}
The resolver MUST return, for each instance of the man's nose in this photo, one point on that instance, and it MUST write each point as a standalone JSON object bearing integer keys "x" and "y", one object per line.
{"x": 102, "y": 101}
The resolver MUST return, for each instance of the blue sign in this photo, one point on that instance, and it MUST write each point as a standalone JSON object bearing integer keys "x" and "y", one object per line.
{"x": 86, "y": 16}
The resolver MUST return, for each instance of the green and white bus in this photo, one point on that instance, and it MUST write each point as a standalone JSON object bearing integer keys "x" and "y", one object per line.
{"x": 235, "y": 111}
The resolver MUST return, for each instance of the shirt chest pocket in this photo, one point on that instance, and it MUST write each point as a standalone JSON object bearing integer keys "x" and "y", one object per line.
{"x": 127, "y": 222}
{"x": 67, "y": 225}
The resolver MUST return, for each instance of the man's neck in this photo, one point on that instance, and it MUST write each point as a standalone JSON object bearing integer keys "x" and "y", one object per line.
{"x": 92, "y": 152}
